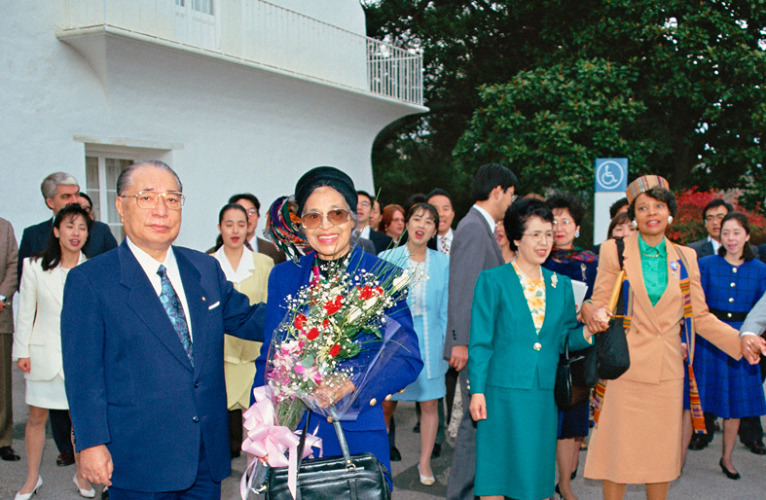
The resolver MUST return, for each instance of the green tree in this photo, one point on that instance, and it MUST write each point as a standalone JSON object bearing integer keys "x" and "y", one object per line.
{"x": 696, "y": 68}
{"x": 552, "y": 122}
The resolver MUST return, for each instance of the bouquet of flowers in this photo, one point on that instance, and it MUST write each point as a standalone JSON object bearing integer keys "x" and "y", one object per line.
{"x": 334, "y": 333}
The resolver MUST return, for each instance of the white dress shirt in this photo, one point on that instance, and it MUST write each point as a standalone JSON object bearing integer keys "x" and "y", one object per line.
{"x": 150, "y": 266}
{"x": 440, "y": 238}
{"x": 491, "y": 222}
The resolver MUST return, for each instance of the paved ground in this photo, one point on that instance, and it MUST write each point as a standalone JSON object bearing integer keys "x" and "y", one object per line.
{"x": 702, "y": 479}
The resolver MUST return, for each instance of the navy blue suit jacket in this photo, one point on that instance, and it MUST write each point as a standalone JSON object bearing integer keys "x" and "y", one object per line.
{"x": 128, "y": 380}
{"x": 35, "y": 239}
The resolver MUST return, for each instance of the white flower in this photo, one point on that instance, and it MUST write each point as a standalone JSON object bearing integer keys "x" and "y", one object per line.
{"x": 400, "y": 282}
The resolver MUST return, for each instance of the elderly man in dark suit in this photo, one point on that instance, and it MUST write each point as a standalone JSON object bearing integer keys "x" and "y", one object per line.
{"x": 9, "y": 252}
{"x": 257, "y": 244}
{"x": 474, "y": 249}
{"x": 60, "y": 189}
{"x": 142, "y": 341}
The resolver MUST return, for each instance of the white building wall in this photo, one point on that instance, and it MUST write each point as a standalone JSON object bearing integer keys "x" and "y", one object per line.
{"x": 224, "y": 127}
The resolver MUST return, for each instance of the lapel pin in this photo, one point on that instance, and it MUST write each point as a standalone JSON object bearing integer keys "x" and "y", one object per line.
{"x": 203, "y": 298}
{"x": 554, "y": 280}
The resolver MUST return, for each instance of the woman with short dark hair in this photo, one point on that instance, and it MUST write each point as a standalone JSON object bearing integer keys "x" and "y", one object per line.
{"x": 637, "y": 439}
{"x": 579, "y": 265}
{"x": 521, "y": 316}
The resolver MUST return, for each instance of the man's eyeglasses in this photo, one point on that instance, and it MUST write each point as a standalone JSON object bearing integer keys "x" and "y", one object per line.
{"x": 148, "y": 199}
{"x": 313, "y": 220}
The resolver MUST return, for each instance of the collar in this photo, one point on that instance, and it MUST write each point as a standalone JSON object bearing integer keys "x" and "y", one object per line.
{"x": 365, "y": 232}
{"x": 716, "y": 244}
{"x": 487, "y": 217}
{"x": 244, "y": 268}
{"x": 660, "y": 250}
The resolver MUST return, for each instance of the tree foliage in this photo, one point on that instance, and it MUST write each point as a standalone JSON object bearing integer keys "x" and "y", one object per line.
{"x": 684, "y": 79}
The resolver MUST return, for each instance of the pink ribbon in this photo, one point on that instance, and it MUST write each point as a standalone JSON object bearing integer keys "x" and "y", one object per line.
{"x": 267, "y": 441}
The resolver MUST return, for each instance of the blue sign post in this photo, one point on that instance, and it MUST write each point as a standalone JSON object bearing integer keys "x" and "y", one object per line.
{"x": 611, "y": 181}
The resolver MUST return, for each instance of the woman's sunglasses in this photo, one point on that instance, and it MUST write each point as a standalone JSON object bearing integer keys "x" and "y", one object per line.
{"x": 313, "y": 220}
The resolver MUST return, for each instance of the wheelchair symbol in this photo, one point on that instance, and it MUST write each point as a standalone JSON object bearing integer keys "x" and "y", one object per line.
{"x": 609, "y": 175}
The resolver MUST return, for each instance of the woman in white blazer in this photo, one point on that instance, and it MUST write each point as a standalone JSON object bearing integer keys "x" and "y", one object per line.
{"x": 37, "y": 340}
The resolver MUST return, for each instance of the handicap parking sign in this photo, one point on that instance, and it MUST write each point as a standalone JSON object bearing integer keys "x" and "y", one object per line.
{"x": 611, "y": 174}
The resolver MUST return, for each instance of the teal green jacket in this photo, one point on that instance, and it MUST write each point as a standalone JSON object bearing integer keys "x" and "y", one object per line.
{"x": 504, "y": 349}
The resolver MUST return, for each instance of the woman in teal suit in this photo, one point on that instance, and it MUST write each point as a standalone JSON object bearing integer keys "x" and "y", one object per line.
{"x": 521, "y": 316}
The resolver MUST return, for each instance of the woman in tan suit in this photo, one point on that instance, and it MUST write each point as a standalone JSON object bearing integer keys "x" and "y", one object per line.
{"x": 638, "y": 435}
{"x": 249, "y": 272}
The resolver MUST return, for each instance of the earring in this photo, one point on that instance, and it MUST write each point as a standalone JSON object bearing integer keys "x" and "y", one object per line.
{"x": 634, "y": 224}
{"x": 670, "y": 219}
{"x": 577, "y": 234}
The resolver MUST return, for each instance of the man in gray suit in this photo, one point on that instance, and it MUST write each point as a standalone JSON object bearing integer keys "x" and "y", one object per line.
{"x": 473, "y": 250}
{"x": 9, "y": 253}
{"x": 712, "y": 215}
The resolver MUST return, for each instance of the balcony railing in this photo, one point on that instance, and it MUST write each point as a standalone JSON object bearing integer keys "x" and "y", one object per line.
{"x": 259, "y": 33}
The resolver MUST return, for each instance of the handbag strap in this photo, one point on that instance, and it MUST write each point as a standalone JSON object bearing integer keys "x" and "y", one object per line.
{"x": 341, "y": 440}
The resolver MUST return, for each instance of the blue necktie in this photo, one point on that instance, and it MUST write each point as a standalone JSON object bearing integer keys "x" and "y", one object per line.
{"x": 172, "y": 305}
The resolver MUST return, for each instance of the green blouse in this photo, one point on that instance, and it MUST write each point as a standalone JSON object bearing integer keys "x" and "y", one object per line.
{"x": 654, "y": 266}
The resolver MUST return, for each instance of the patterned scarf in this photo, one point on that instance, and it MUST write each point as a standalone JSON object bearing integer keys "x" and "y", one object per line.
{"x": 573, "y": 254}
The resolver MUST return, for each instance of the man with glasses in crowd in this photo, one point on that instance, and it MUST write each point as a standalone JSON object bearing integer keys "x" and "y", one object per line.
{"x": 142, "y": 341}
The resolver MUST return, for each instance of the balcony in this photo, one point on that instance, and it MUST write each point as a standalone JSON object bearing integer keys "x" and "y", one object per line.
{"x": 254, "y": 33}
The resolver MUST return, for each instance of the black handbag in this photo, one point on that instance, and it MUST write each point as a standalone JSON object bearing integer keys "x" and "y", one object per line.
{"x": 611, "y": 355}
{"x": 571, "y": 387}
{"x": 356, "y": 477}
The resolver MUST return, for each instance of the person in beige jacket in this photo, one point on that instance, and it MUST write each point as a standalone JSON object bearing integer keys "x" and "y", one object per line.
{"x": 9, "y": 253}
{"x": 637, "y": 439}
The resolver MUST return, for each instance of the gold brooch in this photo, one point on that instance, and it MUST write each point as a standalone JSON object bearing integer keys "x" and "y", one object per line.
{"x": 554, "y": 280}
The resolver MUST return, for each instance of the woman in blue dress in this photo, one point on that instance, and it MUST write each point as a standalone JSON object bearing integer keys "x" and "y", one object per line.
{"x": 427, "y": 301}
{"x": 579, "y": 265}
{"x": 521, "y": 316}
{"x": 326, "y": 204}
{"x": 733, "y": 280}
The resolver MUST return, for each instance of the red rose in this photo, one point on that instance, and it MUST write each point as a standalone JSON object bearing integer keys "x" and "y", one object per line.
{"x": 333, "y": 306}
{"x": 366, "y": 293}
{"x": 312, "y": 334}
{"x": 300, "y": 320}
{"x": 379, "y": 290}
{"x": 334, "y": 350}
{"x": 326, "y": 323}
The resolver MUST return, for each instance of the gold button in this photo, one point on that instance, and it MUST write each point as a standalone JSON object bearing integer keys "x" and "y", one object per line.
{"x": 329, "y": 420}
{"x": 538, "y": 346}
{"x": 728, "y": 315}
{"x": 388, "y": 398}
{"x": 731, "y": 299}
{"x": 734, "y": 269}
{"x": 733, "y": 284}
{"x": 373, "y": 402}
{"x": 402, "y": 390}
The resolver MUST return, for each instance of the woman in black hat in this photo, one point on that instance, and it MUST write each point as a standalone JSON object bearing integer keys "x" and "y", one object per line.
{"x": 326, "y": 205}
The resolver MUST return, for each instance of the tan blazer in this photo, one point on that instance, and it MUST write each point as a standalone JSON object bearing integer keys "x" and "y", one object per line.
{"x": 654, "y": 337}
{"x": 38, "y": 321}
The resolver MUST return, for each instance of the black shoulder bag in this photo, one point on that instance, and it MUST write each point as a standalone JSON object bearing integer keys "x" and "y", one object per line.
{"x": 358, "y": 477}
{"x": 611, "y": 358}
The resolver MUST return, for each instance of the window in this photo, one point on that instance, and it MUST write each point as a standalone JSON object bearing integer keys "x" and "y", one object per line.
{"x": 203, "y": 6}
{"x": 101, "y": 172}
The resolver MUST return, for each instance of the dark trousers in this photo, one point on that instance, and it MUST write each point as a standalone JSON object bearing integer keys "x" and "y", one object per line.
{"x": 204, "y": 488}
{"x": 750, "y": 428}
{"x": 61, "y": 428}
{"x": 235, "y": 432}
